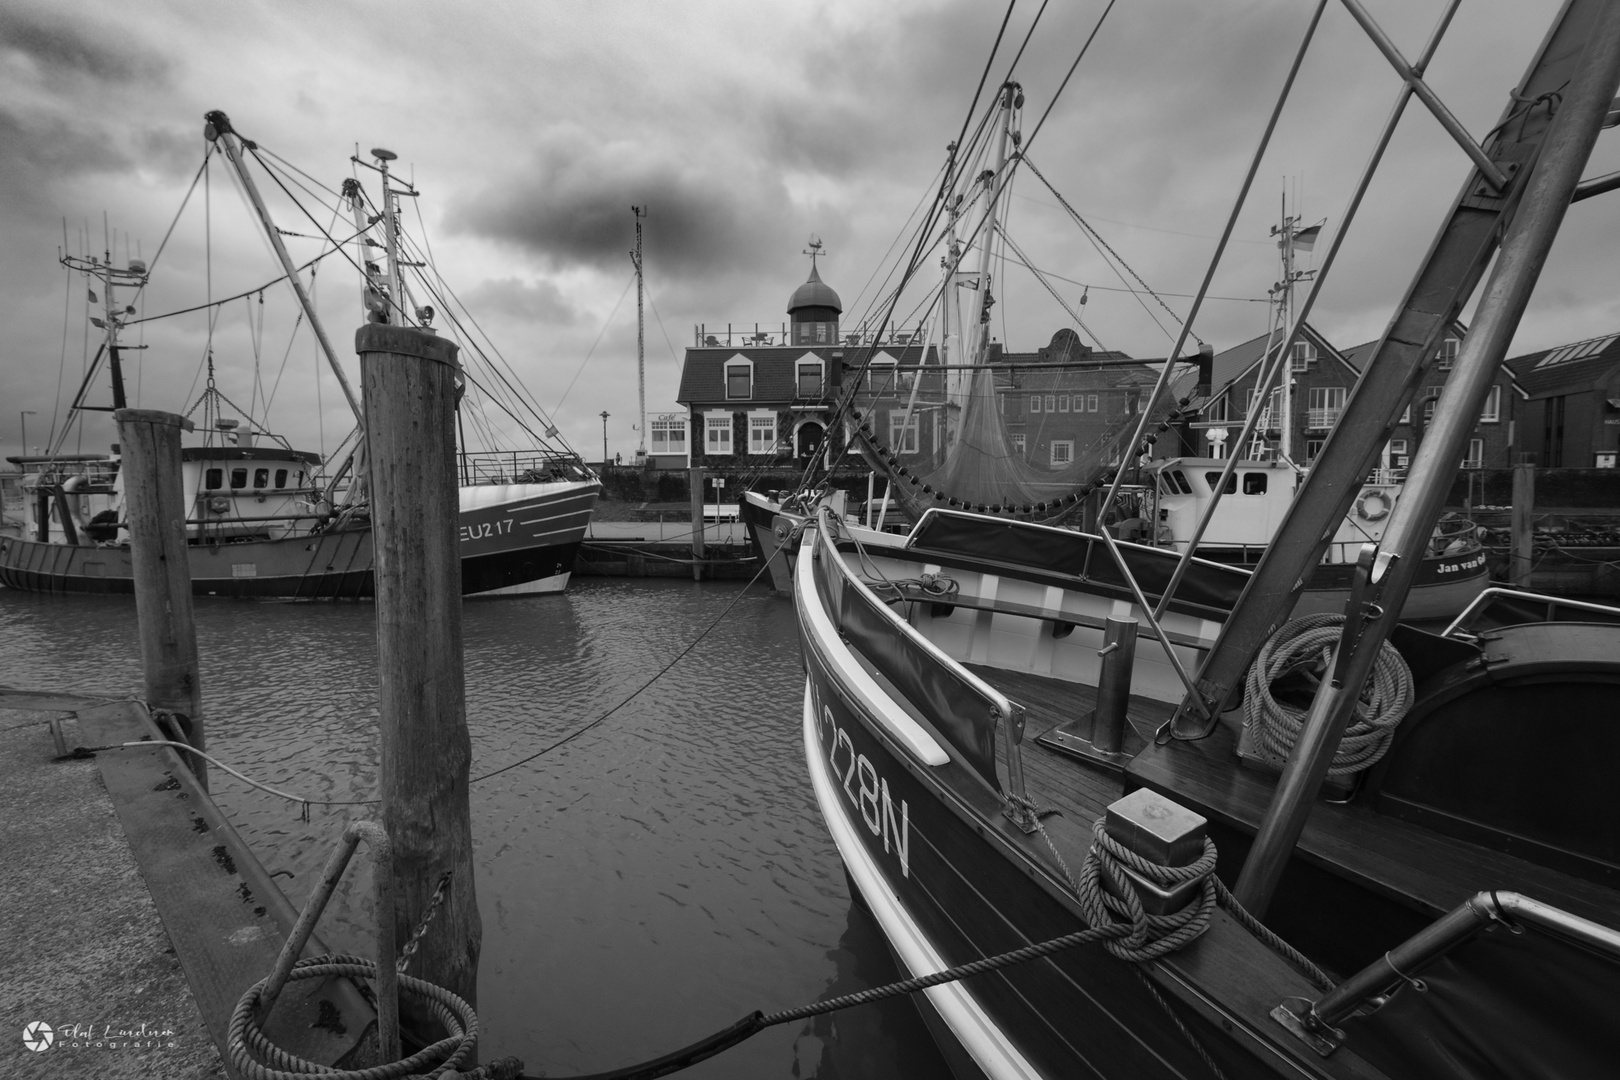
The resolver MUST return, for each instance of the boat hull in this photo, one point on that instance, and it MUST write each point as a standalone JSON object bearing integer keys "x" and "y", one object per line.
{"x": 770, "y": 532}
{"x": 517, "y": 539}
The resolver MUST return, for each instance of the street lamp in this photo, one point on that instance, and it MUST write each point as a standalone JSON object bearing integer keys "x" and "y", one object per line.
{"x": 23, "y": 416}
{"x": 604, "y": 441}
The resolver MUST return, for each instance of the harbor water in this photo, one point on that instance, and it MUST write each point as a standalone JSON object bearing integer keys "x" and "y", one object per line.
{"x": 642, "y": 885}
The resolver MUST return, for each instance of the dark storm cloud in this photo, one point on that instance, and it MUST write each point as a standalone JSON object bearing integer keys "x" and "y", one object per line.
{"x": 62, "y": 49}
{"x": 540, "y": 302}
{"x": 571, "y": 205}
{"x": 43, "y": 152}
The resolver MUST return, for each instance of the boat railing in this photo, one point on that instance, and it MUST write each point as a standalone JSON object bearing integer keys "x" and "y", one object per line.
{"x": 963, "y": 708}
{"x": 1371, "y": 988}
{"x": 1502, "y": 596}
{"x": 532, "y": 466}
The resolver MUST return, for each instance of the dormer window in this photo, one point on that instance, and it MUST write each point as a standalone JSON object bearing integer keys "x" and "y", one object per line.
{"x": 739, "y": 380}
{"x": 1448, "y": 353}
{"x": 809, "y": 378}
{"x": 1301, "y": 356}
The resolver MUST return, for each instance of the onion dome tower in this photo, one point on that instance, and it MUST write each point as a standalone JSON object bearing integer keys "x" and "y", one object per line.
{"x": 813, "y": 309}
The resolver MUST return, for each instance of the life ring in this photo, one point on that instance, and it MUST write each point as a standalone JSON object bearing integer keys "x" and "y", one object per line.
{"x": 219, "y": 504}
{"x": 1374, "y": 505}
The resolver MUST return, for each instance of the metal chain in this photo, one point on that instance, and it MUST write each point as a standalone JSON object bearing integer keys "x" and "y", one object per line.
{"x": 412, "y": 945}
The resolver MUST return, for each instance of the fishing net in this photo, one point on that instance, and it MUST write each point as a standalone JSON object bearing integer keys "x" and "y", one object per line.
{"x": 1026, "y": 439}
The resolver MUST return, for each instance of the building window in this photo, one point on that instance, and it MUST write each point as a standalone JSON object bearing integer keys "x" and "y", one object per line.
{"x": 1448, "y": 353}
{"x": 1429, "y": 403}
{"x": 761, "y": 433}
{"x": 1476, "y": 454}
{"x": 1313, "y": 450}
{"x": 719, "y": 433}
{"x": 902, "y": 442}
{"x": 1215, "y": 411}
{"x": 1062, "y": 451}
{"x": 1397, "y": 454}
{"x": 669, "y": 435}
{"x": 1325, "y": 406}
{"x": 1051, "y": 403}
{"x": 1492, "y": 412}
{"x": 809, "y": 378}
{"x": 1034, "y": 403}
{"x": 213, "y": 479}
{"x": 1091, "y": 403}
{"x": 1299, "y": 359}
{"x": 1018, "y": 442}
{"x": 879, "y": 377}
{"x": 739, "y": 380}
{"x": 1406, "y": 416}
{"x": 1063, "y": 403}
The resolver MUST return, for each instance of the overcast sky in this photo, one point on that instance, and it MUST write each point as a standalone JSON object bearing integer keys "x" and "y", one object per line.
{"x": 746, "y": 128}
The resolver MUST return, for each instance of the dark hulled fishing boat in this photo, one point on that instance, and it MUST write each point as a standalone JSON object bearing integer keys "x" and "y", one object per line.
{"x": 1425, "y": 822}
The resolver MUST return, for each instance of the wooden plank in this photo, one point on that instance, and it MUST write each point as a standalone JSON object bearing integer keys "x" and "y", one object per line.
{"x": 222, "y": 911}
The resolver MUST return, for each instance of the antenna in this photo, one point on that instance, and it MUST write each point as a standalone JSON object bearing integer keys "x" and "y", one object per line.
{"x": 641, "y": 344}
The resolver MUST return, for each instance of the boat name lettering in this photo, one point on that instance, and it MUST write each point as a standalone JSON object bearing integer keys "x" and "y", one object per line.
{"x": 1467, "y": 564}
{"x": 481, "y": 529}
{"x": 871, "y": 798}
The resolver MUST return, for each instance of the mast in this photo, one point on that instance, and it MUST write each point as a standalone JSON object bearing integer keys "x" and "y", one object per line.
{"x": 1011, "y": 97}
{"x": 641, "y": 341}
{"x": 219, "y": 130}
{"x": 396, "y": 286}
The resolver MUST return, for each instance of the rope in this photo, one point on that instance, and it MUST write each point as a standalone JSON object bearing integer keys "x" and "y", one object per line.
{"x": 1304, "y": 643}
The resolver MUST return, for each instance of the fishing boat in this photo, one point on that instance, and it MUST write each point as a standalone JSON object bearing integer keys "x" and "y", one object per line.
{"x": 1225, "y": 843}
{"x": 263, "y": 519}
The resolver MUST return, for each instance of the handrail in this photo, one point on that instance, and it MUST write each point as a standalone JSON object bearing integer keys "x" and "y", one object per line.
{"x": 1490, "y": 595}
{"x": 1313, "y": 1021}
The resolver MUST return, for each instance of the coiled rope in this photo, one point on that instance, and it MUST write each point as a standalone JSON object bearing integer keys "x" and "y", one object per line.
{"x": 1307, "y": 642}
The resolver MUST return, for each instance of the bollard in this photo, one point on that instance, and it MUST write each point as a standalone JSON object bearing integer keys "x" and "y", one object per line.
{"x": 1522, "y": 557}
{"x": 154, "y": 510}
{"x": 1099, "y": 736}
{"x": 696, "y": 479}
{"x": 408, "y": 379}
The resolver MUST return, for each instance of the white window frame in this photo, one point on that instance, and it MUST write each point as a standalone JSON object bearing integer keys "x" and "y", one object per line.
{"x": 1034, "y": 403}
{"x": 762, "y": 439}
{"x": 666, "y": 427}
{"x": 880, "y": 376}
{"x": 1313, "y": 449}
{"x": 821, "y": 376}
{"x": 1300, "y": 357}
{"x": 717, "y": 423}
{"x": 1448, "y": 353}
{"x": 725, "y": 376}
{"x": 1325, "y": 404}
{"x": 1063, "y": 403}
{"x": 1476, "y": 454}
{"x": 909, "y": 444}
{"x": 1399, "y": 456}
{"x": 1061, "y": 452}
{"x": 1492, "y": 412}
{"x": 1018, "y": 441}
{"x": 1091, "y": 402}
{"x": 1051, "y": 401}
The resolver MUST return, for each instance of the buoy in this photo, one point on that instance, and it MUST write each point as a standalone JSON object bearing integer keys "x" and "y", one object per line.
{"x": 1374, "y": 505}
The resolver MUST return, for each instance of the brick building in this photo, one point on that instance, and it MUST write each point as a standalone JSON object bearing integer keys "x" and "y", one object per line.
{"x": 1569, "y": 413}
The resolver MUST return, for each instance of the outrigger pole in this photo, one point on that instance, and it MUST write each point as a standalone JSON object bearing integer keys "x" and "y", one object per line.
{"x": 219, "y": 130}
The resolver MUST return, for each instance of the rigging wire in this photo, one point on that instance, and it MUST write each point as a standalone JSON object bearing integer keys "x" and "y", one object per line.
{"x": 608, "y": 321}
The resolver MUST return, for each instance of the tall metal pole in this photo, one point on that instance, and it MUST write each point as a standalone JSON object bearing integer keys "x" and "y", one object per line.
{"x": 604, "y": 441}
{"x": 1519, "y": 261}
{"x": 219, "y": 130}
{"x": 641, "y": 346}
{"x": 23, "y": 416}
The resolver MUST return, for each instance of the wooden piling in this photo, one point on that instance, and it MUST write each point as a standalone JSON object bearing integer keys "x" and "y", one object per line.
{"x": 1522, "y": 559}
{"x": 696, "y": 479}
{"x": 154, "y": 510}
{"x": 408, "y": 381}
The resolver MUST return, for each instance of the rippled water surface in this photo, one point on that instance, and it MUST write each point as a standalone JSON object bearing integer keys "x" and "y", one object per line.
{"x": 648, "y": 883}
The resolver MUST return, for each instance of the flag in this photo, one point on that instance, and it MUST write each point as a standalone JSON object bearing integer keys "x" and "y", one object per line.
{"x": 1305, "y": 239}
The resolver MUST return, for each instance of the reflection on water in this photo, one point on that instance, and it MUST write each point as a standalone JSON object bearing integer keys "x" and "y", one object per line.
{"x": 644, "y": 885}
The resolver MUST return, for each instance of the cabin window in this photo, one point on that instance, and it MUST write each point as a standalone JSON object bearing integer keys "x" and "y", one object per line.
{"x": 809, "y": 379}
{"x": 1062, "y": 451}
{"x": 1034, "y": 403}
{"x": 281, "y": 478}
{"x": 1213, "y": 479}
{"x": 214, "y": 479}
{"x": 261, "y": 478}
{"x": 1175, "y": 482}
{"x": 739, "y": 380}
{"x": 238, "y": 478}
{"x": 300, "y": 477}
{"x": 1254, "y": 483}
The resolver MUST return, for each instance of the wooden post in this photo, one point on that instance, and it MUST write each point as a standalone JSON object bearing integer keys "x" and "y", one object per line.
{"x": 154, "y": 508}
{"x": 1522, "y": 558}
{"x": 408, "y": 382}
{"x": 697, "y": 481}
